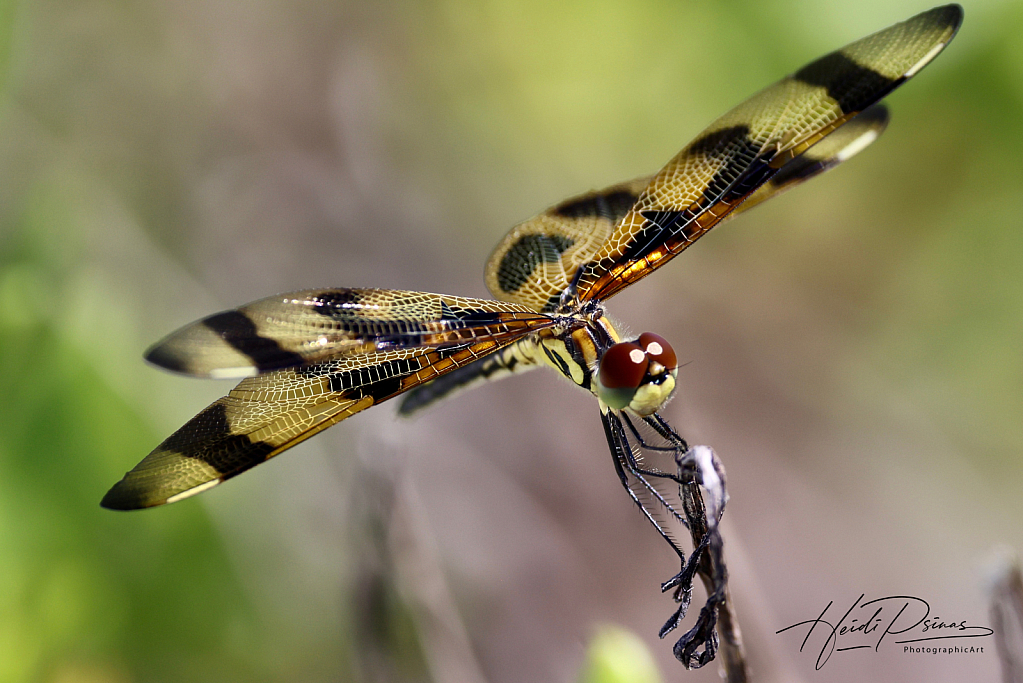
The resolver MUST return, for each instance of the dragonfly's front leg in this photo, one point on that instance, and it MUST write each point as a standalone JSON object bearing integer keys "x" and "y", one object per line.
{"x": 664, "y": 478}
{"x": 699, "y": 645}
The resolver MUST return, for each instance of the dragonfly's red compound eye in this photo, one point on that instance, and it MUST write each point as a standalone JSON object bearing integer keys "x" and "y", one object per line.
{"x": 623, "y": 366}
{"x": 658, "y": 349}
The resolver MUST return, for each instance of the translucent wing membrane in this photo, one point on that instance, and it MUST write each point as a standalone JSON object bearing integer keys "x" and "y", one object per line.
{"x": 515, "y": 358}
{"x": 270, "y": 413}
{"x": 537, "y": 259}
{"x": 301, "y": 328}
{"x": 845, "y": 142}
{"x": 747, "y": 147}
{"x": 339, "y": 351}
{"x": 313, "y": 358}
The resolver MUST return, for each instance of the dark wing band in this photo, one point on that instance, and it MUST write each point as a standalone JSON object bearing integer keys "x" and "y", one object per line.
{"x": 538, "y": 258}
{"x": 268, "y": 414}
{"x": 844, "y": 143}
{"x": 746, "y": 147}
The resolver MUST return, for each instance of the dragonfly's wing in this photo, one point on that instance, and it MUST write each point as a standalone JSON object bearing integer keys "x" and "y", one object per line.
{"x": 302, "y": 328}
{"x": 537, "y": 259}
{"x": 847, "y": 141}
{"x": 270, "y": 413}
{"x": 515, "y": 358}
{"x": 273, "y": 411}
{"x": 746, "y": 147}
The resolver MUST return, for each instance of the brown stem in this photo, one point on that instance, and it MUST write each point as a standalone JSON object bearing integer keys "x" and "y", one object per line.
{"x": 714, "y": 575}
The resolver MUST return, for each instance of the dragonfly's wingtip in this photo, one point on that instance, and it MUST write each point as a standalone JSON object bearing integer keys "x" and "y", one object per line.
{"x": 124, "y": 496}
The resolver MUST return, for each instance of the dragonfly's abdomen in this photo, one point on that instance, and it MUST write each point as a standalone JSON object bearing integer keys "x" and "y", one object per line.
{"x": 519, "y": 357}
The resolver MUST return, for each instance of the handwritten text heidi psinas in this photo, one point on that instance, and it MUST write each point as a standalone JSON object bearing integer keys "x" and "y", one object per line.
{"x": 897, "y": 620}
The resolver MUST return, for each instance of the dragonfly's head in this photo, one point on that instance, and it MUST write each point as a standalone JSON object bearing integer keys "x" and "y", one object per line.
{"x": 638, "y": 375}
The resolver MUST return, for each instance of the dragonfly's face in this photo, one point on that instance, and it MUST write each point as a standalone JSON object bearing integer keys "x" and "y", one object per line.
{"x": 639, "y": 375}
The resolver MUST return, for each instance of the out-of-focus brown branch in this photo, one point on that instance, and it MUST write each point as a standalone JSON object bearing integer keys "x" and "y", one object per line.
{"x": 1007, "y": 614}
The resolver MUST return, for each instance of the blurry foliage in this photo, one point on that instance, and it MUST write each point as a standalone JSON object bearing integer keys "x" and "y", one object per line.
{"x": 617, "y": 656}
{"x": 115, "y": 97}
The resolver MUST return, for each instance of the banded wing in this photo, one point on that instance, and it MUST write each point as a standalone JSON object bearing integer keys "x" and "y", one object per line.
{"x": 516, "y": 358}
{"x": 847, "y": 141}
{"x": 300, "y": 328}
{"x": 746, "y": 147}
{"x": 271, "y": 412}
{"x": 537, "y": 259}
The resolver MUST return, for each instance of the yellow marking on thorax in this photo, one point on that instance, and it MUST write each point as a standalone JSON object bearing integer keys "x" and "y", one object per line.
{"x": 583, "y": 341}
{"x": 609, "y": 328}
{"x": 557, "y": 347}
{"x": 585, "y": 344}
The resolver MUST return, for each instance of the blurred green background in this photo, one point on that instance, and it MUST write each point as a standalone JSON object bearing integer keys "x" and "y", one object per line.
{"x": 854, "y": 348}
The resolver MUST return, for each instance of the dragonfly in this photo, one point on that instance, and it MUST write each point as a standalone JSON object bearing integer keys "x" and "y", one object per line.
{"x": 310, "y": 359}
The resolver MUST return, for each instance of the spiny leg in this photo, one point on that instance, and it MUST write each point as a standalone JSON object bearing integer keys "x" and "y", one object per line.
{"x": 688, "y": 470}
{"x": 624, "y": 461}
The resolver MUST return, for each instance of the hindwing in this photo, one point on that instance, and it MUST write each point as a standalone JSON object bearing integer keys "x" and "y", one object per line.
{"x": 537, "y": 259}
{"x": 317, "y": 357}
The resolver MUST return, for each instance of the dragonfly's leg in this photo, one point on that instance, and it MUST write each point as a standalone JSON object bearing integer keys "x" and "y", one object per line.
{"x": 621, "y": 452}
{"x": 635, "y": 478}
{"x": 701, "y": 489}
{"x": 699, "y": 645}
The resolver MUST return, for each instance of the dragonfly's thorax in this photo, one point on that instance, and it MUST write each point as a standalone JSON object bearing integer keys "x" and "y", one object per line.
{"x": 573, "y": 351}
{"x": 638, "y": 375}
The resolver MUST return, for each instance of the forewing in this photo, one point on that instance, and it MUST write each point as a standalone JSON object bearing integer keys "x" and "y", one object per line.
{"x": 538, "y": 258}
{"x": 270, "y": 413}
{"x": 746, "y": 147}
{"x": 307, "y": 327}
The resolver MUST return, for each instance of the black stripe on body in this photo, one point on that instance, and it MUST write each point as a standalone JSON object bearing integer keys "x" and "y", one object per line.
{"x": 522, "y": 258}
{"x": 579, "y": 358}
{"x": 854, "y": 86}
{"x": 558, "y": 361}
{"x": 237, "y": 330}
